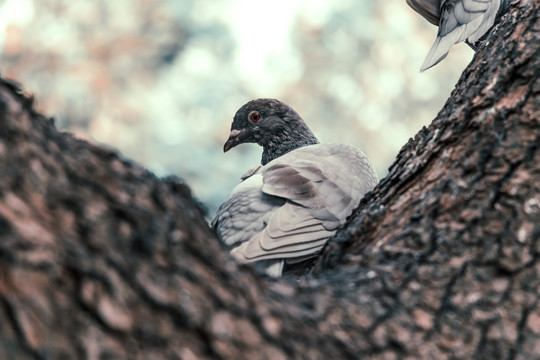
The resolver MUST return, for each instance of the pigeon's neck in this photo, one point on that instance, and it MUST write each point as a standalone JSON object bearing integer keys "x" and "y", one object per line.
{"x": 280, "y": 145}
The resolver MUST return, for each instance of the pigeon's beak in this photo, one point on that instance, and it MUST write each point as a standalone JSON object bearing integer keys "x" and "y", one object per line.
{"x": 233, "y": 140}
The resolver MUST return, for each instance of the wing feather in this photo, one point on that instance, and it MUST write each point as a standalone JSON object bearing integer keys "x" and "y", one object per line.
{"x": 460, "y": 20}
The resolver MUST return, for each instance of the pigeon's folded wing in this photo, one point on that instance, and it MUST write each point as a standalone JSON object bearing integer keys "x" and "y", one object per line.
{"x": 291, "y": 232}
{"x": 245, "y": 212}
{"x": 321, "y": 185}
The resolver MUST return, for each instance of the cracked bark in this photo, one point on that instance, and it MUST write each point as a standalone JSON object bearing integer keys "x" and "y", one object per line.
{"x": 101, "y": 259}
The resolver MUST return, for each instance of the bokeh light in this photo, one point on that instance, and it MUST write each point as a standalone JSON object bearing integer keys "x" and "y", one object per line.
{"x": 161, "y": 80}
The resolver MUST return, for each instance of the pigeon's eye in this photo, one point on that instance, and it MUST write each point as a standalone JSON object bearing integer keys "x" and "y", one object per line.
{"x": 254, "y": 116}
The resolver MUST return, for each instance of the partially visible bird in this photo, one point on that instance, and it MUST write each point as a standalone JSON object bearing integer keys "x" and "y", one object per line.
{"x": 458, "y": 20}
{"x": 286, "y": 208}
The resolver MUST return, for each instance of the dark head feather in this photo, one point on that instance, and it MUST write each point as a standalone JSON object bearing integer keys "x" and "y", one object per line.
{"x": 273, "y": 125}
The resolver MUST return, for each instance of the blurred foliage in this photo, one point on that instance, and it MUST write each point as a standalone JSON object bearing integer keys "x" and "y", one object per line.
{"x": 161, "y": 80}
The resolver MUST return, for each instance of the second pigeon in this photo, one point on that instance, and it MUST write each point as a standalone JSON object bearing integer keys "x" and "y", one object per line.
{"x": 458, "y": 20}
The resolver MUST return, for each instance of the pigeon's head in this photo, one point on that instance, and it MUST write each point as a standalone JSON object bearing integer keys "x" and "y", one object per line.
{"x": 271, "y": 124}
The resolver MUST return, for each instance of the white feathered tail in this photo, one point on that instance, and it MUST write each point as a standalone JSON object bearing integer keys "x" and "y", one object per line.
{"x": 461, "y": 20}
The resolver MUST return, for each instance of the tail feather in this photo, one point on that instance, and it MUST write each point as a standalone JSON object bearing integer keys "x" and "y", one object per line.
{"x": 460, "y": 20}
{"x": 274, "y": 268}
{"x": 441, "y": 47}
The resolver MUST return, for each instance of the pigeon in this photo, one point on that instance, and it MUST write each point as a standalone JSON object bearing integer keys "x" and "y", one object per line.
{"x": 458, "y": 20}
{"x": 286, "y": 208}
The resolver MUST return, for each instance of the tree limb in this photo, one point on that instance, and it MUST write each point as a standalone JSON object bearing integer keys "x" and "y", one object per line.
{"x": 101, "y": 259}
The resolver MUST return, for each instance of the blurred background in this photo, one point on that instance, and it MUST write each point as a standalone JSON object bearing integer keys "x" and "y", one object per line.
{"x": 161, "y": 80}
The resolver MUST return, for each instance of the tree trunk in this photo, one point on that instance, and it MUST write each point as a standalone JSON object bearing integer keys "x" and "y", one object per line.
{"x": 100, "y": 259}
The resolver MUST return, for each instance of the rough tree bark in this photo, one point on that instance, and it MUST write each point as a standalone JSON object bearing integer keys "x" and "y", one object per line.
{"x": 100, "y": 259}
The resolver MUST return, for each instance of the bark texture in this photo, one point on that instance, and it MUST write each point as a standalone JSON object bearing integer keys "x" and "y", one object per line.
{"x": 99, "y": 259}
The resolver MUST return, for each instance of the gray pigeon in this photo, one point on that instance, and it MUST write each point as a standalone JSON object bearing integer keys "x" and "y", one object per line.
{"x": 286, "y": 208}
{"x": 458, "y": 20}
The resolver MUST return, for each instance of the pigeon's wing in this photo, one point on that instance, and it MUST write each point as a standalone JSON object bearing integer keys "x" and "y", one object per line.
{"x": 461, "y": 20}
{"x": 245, "y": 212}
{"x": 322, "y": 184}
{"x": 291, "y": 232}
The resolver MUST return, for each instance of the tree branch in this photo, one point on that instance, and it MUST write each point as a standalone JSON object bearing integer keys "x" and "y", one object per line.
{"x": 99, "y": 258}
